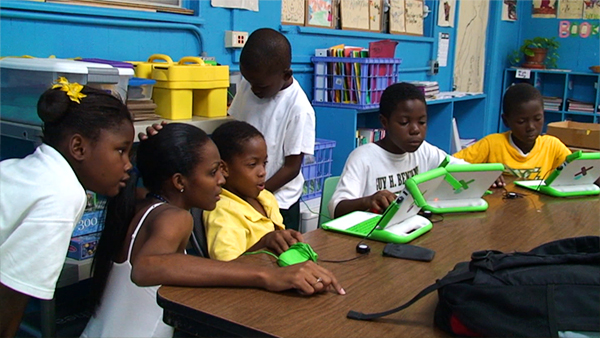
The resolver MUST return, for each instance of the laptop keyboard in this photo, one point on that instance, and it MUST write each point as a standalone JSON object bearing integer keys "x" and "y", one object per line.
{"x": 365, "y": 227}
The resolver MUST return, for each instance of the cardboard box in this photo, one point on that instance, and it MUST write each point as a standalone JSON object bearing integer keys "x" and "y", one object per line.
{"x": 91, "y": 221}
{"x": 576, "y": 134}
{"x": 83, "y": 247}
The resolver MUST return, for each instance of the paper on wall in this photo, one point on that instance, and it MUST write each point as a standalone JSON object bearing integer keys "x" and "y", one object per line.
{"x": 251, "y": 5}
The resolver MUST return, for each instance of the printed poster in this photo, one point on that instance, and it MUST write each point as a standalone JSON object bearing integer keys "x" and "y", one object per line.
{"x": 509, "y": 10}
{"x": 251, "y": 5}
{"x": 446, "y": 13}
{"x": 544, "y": 8}
{"x": 570, "y": 9}
{"x": 591, "y": 9}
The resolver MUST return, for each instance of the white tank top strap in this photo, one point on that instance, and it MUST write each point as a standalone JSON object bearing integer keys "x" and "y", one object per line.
{"x": 137, "y": 228}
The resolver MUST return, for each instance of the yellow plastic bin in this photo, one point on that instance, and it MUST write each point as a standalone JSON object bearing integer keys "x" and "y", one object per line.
{"x": 144, "y": 69}
{"x": 190, "y": 87}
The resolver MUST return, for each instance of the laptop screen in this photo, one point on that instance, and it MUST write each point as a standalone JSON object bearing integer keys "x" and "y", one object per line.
{"x": 407, "y": 207}
{"x": 578, "y": 172}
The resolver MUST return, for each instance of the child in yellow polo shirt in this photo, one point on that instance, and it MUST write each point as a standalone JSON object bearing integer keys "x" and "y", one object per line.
{"x": 524, "y": 152}
{"x": 247, "y": 217}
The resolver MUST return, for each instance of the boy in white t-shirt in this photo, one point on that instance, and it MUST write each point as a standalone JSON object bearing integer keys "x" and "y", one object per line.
{"x": 375, "y": 172}
{"x": 269, "y": 99}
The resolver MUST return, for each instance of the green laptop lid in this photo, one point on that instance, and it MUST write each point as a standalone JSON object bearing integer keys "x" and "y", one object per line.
{"x": 457, "y": 194}
{"x": 573, "y": 178}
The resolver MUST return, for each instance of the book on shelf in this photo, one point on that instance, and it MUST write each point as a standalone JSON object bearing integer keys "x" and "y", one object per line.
{"x": 580, "y": 106}
{"x": 552, "y": 103}
{"x": 369, "y": 135}
{"x": 429, "y": 88}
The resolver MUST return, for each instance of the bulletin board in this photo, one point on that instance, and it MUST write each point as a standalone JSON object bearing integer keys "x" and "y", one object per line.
{"x": 355, "y": 14}
{"x": 292, "y": 12}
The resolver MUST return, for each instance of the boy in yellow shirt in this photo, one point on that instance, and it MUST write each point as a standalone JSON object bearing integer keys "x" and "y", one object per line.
{"x": 524, "y": 152}
{"x": 247, "y": 216}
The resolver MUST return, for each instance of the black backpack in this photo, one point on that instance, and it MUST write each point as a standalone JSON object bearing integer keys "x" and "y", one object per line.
{"x": 554, "y": 287}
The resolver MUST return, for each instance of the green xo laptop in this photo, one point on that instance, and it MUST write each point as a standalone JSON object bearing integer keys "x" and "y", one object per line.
{"x": 575, "y": 177}
{"x": 461, "y": 189}
{"x": 398, "y": 224}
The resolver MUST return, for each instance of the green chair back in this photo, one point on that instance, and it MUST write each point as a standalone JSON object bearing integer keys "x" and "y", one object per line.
{"x": 328, "y": 188}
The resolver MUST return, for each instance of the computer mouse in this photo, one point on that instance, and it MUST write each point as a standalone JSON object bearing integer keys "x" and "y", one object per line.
{"x": 297, "y": 253}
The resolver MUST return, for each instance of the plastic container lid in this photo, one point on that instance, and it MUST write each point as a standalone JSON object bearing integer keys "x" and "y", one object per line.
{"x": 50, "y": 65}
{"x": 123, "y": 67}
{"x": 138, "y": 81}
{"x": 119, "y": 64}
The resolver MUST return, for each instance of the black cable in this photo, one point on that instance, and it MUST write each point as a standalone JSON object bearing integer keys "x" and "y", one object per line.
{"x": 437, "y": 220}
{"x": 343, "y": 260}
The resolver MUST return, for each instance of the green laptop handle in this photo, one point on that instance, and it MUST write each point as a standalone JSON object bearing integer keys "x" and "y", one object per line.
{"x": 445, "y": 162}
{"x": 573, "y": 156}
{"x": 453, "y": 168}
{"x": 452, "y": 181}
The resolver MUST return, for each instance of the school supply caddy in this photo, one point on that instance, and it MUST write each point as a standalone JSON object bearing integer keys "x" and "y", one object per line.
{"x": 461, "y": 188}
{"x": 575, "y": 177}
{"x": 552, "y": 288}
{"x": 399, "y": 223}
{"x": 189, "y": 87}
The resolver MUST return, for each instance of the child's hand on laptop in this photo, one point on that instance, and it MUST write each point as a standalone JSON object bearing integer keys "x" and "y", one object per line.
{"x": 380, "y": 200}
{"x": 499, "y": 182}
{"x": 278, "y": 241}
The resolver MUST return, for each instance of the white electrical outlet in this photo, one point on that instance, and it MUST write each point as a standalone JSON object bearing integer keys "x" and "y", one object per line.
{"x": 235, "y": 39}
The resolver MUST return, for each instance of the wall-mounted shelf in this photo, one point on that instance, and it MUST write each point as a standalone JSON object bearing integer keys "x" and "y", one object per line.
{"x": 565, "y": 85}
{"x": 340, "y": 124}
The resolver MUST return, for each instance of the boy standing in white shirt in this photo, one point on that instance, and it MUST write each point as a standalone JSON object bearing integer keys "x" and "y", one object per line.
{"x": 374, "y": 173}
{"x": 269, "y": 99}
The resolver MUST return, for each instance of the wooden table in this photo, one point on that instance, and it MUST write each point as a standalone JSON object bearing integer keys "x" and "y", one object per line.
{"x": 375, "y": 283}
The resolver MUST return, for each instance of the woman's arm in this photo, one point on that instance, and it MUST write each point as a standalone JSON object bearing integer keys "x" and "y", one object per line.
{"x": 161, "y": 261}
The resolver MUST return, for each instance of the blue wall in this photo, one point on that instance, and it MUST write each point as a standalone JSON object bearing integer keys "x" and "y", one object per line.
{"x": 43, "y": 29}
{"x": 575, "y": 53}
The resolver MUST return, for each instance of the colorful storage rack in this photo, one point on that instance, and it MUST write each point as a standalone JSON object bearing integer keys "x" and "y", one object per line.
{"x": 353, "y": 82}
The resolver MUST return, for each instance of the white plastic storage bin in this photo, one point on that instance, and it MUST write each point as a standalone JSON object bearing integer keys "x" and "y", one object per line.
{"x": 23, "y": 80}
{"x": 125, "y": 74}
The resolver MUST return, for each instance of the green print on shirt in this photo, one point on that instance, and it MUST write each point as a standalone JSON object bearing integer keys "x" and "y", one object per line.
{"x": 526, "y": 173}
{"x": 382, "y": 183}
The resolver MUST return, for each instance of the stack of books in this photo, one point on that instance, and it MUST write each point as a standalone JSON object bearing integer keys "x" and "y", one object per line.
{"x": 552, "y": 103}
{"x": 574, "y": 105}
{"x": 142, "y": 110}
{"x": 429, "y": 88}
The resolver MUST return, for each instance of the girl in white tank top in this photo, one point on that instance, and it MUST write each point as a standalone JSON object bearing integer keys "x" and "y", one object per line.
{"x": 182, "y": 169}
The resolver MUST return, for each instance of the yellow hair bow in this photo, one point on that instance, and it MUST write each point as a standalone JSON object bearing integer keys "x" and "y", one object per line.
{"x": 73, "y": 90}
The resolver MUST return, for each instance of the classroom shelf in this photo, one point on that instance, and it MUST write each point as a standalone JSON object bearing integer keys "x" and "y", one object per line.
{"x": 566, "y": 85}
{"x": 340, "y": 124}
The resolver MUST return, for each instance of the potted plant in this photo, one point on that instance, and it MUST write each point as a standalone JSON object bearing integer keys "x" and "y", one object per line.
{"x": 538, "y": 53}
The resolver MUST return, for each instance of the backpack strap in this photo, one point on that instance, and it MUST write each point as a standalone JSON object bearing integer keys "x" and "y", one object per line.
{"x": 450, "y": 279}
